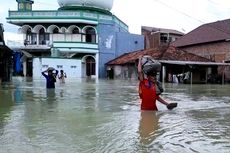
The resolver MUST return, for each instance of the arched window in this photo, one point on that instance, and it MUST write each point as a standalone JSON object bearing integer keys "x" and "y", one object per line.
{"x": 31, "y": 38}
{"x": 56, "y": 31}
{"x": 43, "y": 37}
{"x": 90, "y": 35}
{"x": 28, "y": 37}
{"x": 75, "y": 31}
{"x": 90, "y": 66}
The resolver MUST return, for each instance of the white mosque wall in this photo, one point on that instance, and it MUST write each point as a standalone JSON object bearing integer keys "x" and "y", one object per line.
{"x": 72, "y": 67}
{"x": 58, "y": 37}
{"x": 76, "y": 37}
{"x": 104, "y": 4}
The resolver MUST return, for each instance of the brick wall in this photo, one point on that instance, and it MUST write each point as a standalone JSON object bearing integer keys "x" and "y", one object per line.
{"x": 217, "y": 52}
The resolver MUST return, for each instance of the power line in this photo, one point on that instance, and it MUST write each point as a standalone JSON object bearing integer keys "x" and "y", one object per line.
{"x": 191, "y": 16}
{"x": 181, "y": 12}
{"x": 216, "y": 3}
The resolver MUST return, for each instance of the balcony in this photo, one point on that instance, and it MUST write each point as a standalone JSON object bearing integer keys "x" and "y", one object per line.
{"x": 75, "y": 47}
{"x": 49, "y": 16}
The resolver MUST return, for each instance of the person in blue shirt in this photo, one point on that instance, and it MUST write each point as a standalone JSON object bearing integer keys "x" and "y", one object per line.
{"x": 50, "y": 77}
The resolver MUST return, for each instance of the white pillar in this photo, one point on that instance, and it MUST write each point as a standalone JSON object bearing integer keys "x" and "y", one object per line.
{"x": 37, "y": 39}
{"x": 223, "y": 73}
{"x": 51, "y": 38}
{"x": 97, "y": 64}
{"x": 163, "y": 74}
{"x": 191, "y": 77}
{"x": 24, "y": 68}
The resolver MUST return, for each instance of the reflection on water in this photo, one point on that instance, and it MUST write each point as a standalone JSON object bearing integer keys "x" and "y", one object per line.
{"x": 103, "y": 116}
{"x": 148, "y": 126}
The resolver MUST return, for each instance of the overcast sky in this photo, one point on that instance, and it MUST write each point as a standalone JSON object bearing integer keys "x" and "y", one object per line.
{"x": 182, "y": 15}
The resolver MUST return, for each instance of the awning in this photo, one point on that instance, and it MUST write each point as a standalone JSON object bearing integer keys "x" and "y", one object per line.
{"x": 193, "y": 63}
{"x": 27, "y": 54}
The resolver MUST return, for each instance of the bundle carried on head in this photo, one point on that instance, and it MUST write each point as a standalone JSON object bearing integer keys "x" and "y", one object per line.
{"x": 150, "y": 66}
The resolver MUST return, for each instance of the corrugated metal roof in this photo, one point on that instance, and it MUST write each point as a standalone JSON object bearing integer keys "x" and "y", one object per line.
{"x": 193, "y": 63}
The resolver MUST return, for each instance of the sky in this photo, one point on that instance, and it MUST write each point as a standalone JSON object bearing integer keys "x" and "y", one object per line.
{"x": 181, "y": 15}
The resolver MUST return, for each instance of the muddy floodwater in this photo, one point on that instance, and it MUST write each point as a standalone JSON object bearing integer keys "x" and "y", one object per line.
{"x": 103, "y": 116}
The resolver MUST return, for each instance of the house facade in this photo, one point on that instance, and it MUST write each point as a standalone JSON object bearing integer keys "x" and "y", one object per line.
{"x": 211, "y": 41}
{"x": 79, "y": 37}
{"x": 159, "y": 37}
{"x": 178, "y": 66}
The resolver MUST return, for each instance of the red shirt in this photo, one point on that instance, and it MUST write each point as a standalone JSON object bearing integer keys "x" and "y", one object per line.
{"x": 147, "y": 92}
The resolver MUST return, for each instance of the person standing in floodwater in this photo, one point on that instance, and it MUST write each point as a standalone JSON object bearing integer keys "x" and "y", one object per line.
{"x": 62, "y": 76}
{"x": 148, "y": 88}
{"x": 50, "y": 77}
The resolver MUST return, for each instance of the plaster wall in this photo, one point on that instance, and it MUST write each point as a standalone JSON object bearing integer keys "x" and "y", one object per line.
{"x": 72, "y": 67}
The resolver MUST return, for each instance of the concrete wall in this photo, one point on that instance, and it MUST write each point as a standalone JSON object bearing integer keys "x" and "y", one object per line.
{"x": 127, "y": 42}
{"x": 72, "y": 67}
{"x": 215, "y": 51}
{"x": 125, "y": 72}
{"x": 106, "y": 45}
{"x": 113, "y": 42}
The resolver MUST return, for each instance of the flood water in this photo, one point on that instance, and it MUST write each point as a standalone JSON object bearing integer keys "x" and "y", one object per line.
{"x": 103, "y": 116}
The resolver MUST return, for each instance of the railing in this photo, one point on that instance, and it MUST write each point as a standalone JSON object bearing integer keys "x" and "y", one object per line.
{"x": 68, "y": 44}
{"x": 64, "y": 15}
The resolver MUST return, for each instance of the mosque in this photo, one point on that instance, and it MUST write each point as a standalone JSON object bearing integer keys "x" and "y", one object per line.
{"x": 79, "y": 37}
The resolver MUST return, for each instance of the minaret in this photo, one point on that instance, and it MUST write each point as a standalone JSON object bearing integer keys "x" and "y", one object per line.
{"x": 25, "y": 5}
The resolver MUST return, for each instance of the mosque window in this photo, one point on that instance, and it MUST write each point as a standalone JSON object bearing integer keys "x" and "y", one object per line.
{"x": 43, "y": 37}
{"x": 21, "y": 6}
{"x": 73, "y": 67}
{"x": 90, "y": 66}
{"x": 90, "y": 35}
{"x": 45, "y": 66}
{"x": 28, "y": 6}
{"x": 59, "y": 66}
{"x": 31, "y": 38}
{"x": 75, "y": 30}
{"x": 34, "y": 38}
{"x": 56, "y": 31}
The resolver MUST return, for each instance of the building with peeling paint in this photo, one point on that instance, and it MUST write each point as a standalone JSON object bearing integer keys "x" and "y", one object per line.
{"x": 79, "y": 37}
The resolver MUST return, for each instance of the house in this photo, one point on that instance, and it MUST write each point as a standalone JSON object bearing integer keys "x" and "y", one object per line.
{"x": 212, "y": 41}
{"x": 5, "y": 59}
{"x": 79, "y": 37}
{"x": 175, "y": 62}
{"x": 158, "y": 37}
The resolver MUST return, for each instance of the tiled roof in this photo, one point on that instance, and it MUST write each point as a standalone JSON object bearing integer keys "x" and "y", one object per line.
{"x": 211, "y": 32}
{"x": 158, "y": 54}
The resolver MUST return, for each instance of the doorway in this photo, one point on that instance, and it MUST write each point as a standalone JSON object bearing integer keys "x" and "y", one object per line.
{"x": 90, "y": 66}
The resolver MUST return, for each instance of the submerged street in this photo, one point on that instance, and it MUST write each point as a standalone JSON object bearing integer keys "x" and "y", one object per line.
{"x": 89, "y": 116}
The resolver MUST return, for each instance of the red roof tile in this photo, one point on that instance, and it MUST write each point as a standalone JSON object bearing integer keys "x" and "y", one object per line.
{"x": 159, "y": 54}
